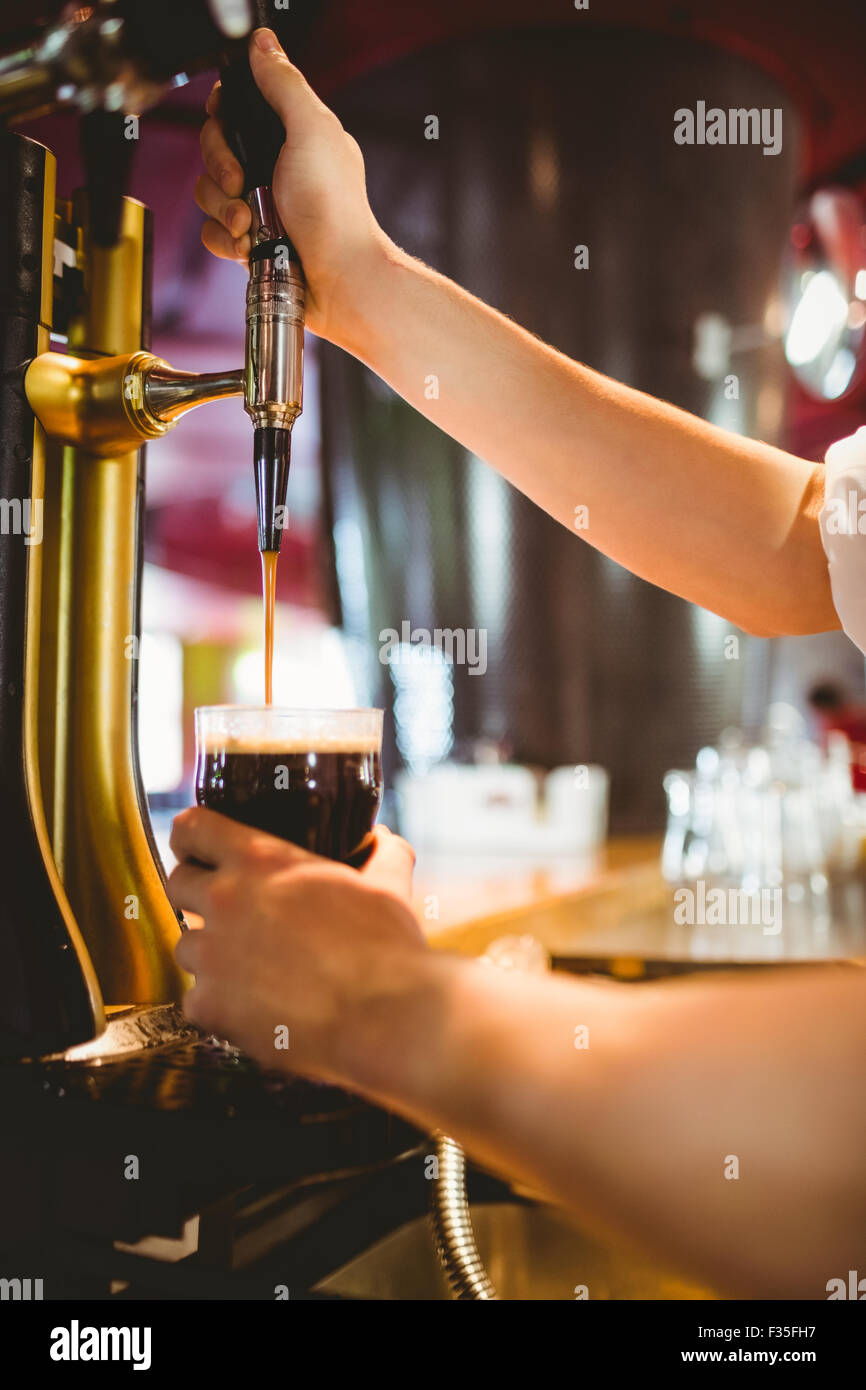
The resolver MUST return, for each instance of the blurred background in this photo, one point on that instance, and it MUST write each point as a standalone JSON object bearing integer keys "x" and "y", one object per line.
{"x": 727, "y": 281}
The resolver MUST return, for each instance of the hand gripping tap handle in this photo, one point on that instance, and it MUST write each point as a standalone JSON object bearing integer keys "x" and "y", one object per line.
{"x": 273, "y": 377}
{"x": 253, "y": 128}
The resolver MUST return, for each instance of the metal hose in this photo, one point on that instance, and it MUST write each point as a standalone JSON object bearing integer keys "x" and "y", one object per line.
{"x": 452, "y": 1225}
{"x": 449, "y": 1206}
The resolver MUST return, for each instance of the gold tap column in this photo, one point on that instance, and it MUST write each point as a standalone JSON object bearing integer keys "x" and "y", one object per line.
{"x": 101, "y": 832}
{"x": 40, "y": 646}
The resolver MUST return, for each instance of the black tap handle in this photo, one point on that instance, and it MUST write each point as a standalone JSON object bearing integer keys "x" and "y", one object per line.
{"x": 254, "y": 130}
{"x": 106, "y": 155}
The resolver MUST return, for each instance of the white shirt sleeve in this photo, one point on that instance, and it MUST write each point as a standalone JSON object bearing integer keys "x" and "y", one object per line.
{"x": 843, "y": 532}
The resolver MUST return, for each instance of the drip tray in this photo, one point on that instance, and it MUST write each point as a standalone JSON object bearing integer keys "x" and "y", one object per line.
{"x": 130, "y": 1134}
{"x": 153, "y": 1059}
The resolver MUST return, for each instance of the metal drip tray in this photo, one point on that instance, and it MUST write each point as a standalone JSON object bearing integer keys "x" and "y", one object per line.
{"x": 153, "y": 1059}
{"x": 201, "y": 1073}
{"x": 130, "y": 1030}
{"x": 199, "y": 1120}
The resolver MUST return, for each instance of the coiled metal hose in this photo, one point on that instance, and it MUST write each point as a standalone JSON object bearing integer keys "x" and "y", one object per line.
{"x": 452, "y": 1225}
{"x": 449, "y": 1205}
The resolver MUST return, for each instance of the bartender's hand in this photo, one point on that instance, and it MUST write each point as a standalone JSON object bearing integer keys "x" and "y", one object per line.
{"x": 318, "y": 184}
{"x": 294, "y": 947}
{"x": 626, "y": 1103}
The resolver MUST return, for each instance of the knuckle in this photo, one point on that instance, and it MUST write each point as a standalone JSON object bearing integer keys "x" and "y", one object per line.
{"x": 255, "y": 856}
{"x": 186, "y": 951}
{"x": 211, "y": 239}
{"x": 384, "y": 901}
{"x": 221, "y": 893}
{"x": 330, "y": 121}
{"x": 197, "y": 1004}
{"x": 357, "y": 152}
{"x": 291, "y": 75}
{"x": 216, "y": 239}
{"x": 233, "y": 215}
{"x": 205, "y": 949}
{"x": 178, "y": 825}
{"x": 191, "y": 951}
{"x": 407, "y": 849}
{"x": 303, "y": 878}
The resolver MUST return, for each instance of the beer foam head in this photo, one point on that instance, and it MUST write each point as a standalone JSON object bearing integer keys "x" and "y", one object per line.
{"x": 291, "y": 745}
{"x": 272, "y": 730}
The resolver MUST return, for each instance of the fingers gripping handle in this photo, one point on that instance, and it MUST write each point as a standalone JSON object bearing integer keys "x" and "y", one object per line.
{"x": 273, "y": 375}
{"x": 254, "y": 130}
{"x": 256, "y": 136}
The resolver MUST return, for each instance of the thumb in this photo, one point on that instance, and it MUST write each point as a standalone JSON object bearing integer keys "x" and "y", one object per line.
{"x": 391, "y": 863}
{"x": 281, "y": 84}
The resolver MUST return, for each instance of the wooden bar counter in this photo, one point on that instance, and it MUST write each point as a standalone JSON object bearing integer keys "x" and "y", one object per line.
{"x": 612, "y": 912}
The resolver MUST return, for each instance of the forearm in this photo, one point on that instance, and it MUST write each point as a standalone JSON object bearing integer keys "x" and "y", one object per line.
{"x": 726, "y": 522}
{"x": 636, "y": 1130}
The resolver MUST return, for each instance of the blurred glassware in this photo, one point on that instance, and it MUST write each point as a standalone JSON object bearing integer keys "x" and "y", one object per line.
{"x": 778, "y": 814}
{"x": 503, "y": 808}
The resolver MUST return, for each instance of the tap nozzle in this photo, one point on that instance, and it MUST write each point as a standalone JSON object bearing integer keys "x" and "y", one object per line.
{"x": 274, "y": 375}
{"x": 272, "y": 450}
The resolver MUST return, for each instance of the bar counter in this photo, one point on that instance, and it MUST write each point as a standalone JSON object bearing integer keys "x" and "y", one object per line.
{"x": 613, "y": 913}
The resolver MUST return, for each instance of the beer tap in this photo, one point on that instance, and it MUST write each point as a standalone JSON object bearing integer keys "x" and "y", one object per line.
{"x": 78, "y": 850}
{"x": 274, "y": 362}
{"x": 101, "y": 61}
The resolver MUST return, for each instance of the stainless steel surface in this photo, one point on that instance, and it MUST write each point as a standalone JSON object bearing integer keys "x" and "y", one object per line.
{"x": 266, "y": 224}
{"x": 169, "y": 393}
{"x": 274, "y": 375}
{"x": 547, "y": 142}
{"x": 451, "y": 1223}
{"x": 130, "y": 1031}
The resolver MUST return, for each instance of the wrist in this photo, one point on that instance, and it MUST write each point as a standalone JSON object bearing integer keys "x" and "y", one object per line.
{"x": 358, "y": 301}
{"x": 392, "y": 1045}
